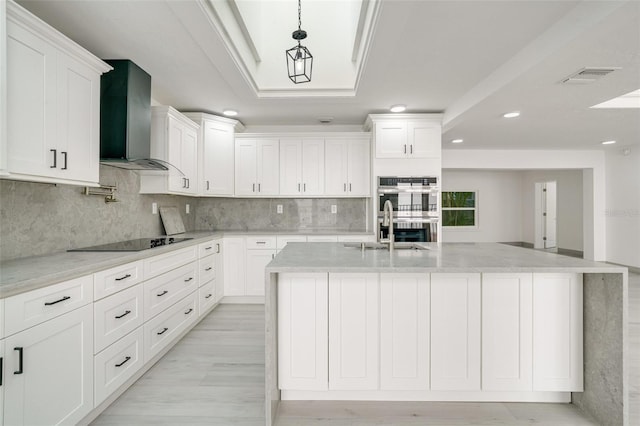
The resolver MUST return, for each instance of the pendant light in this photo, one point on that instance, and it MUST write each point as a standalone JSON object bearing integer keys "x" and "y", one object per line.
{"x": 299, "y": 59}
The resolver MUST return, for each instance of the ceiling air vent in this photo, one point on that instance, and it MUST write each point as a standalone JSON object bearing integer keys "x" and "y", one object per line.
{"x": 588, "y": 75}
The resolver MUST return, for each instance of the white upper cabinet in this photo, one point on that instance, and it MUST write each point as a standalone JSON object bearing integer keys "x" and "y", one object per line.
{"x": 347, "y": 167}
{"x": 53, "y": 104}
{"x": 407, "y": 135}
{"x": 257, "y": 167}
{"x": 215, "y": 153}
{"x": 302, "y": 166}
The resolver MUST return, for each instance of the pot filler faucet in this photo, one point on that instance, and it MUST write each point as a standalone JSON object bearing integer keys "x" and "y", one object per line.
{"x": 387, "y": 220}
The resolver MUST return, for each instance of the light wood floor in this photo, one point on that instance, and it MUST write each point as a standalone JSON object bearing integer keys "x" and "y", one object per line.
{"x": 215, "y": 376}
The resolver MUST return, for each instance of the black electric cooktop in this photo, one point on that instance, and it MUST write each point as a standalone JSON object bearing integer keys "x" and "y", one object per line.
{"x": 135, "y": 245}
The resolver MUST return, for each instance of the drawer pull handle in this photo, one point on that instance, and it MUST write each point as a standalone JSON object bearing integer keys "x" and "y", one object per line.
{"x": 189, "y": 311}
{"x": 123, "y": 278}
{"x": 162, "y": 332}
{"x": 163, "y": 293}
{"x": 123, "y": 315}
{"x": 55, "y": 158}
{"x": 208, "y": 248}
{"x": 188, "y": 279}
{"x": 206, "y": 297}
{"x": 65, "y": 160}
{"x": 209, "y": 268}
{"x": 123, "y": 362}
{"x": 217, "y": 248}
{"x": 57, "y": 301}
{"x": 261, "y": 242}
{"x": 20, "y": 349}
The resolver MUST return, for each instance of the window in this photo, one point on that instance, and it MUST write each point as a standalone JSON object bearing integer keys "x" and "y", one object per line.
{"x": 459, "y": 209}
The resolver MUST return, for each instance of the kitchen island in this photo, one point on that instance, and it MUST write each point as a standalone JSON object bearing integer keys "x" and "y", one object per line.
{"x": 454, "y": 322}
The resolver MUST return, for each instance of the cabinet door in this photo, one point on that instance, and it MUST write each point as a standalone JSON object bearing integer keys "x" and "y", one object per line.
{"x": 268, "y": 167}
{"x": 404, "y": 331}
{"x": 246, "y": 167}
{"x": 54, "y": 382}
{"x": 290, "y": 167}
{"x": 3, "y": 372}
{"x": 391, "y": 139}
{"x": 257, "y": 260}
{"x": 78, "y": 120}
{"x": 31, "y": 104}
{"x": 234, "y": 266}
{"x": 220, "y": 273}
{"x": 557, "y": 332}
{"x": 336, "y": 167}
{"x": 218, "y": 159}
{"x": 359, "y": 178}
{"x": 507, "y": 332}
{"x": 424, "y": 139}
{"x": 175, "y": 134}
{"x": 313, "y": 166}
{"x": 303, "y": 331}
{"x": 353, "y": 331}
{"x": 189, "y": 159}
{"x": 455, "y": 332}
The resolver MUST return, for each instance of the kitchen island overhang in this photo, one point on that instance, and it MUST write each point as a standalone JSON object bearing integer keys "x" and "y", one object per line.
{"x": 603, "y": 314}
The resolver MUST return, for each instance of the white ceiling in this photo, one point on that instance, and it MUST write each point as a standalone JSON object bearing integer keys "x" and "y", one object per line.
{"x": 471, "y": 60}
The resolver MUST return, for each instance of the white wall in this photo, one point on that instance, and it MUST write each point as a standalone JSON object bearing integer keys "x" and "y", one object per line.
{"x": 569, "y": 206}
{"x": 499, "y": 204}
{"x": 622, "y": 210}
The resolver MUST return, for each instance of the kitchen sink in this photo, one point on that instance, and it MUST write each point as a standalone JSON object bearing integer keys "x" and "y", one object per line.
{"x": 384, "y": 246}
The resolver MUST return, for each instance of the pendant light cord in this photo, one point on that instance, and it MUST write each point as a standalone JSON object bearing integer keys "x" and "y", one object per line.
{"x": 299, "y": 14}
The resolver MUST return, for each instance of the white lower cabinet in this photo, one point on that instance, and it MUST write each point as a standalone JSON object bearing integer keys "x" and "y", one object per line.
{"x": 353, "y": 331}
{"x": 234, "y": 266}
{"x": 50, "y": 371}
{"x": 455, "y": 331}
{"x": 116, "y": 364}
{"x": 206, "y": 297}
{"x": 3, "y": 372}
{"x": 507, "y": 331}
{"x": 116, "y": 316}
{"x": 404, "y": 331}
{"x": 163, "y": 291}
{"x": 557, "y": 332}
{"x": 303, "y": 331}
{"x": 256, "y": 261}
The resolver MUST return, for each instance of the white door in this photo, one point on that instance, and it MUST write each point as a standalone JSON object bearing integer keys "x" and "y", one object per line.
{"x": 189, "y": 159}
{"x": 391, "y": 139}
{"x": 31, "y": 104}
{"x": 219, "y": 267}
{"x": 550, "y": 215}
{"x": 424, "y": 139}
{"x": 303, "y": 332}
{"x": 455, "y": 331}
{"x": 313, "y": 166}
{"x": 234, "y": 266}
{"x": 175, "y": 134}
{"x": 358, "y": 175}
{"x": 257, "y": 260}
{"x": 353, "y": 331}
{"x": 268, "y": 171}
{"x": 557, "y": 332}
{"x": 290, "y": 166}
{"x": 404, "y": 331}
{"x": 336, "y": 167}
{"x": 246, "y": 167}
{"x": 50, "y": 368}
{"x": 218, "y": 158}
{"x": 507, "y": 302}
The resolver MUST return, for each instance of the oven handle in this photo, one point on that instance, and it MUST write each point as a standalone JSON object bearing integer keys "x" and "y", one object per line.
{"x": 429, "y": 190}
{"x": 414, "y": 220}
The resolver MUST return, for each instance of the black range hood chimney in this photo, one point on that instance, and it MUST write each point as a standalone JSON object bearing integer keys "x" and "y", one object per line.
{"x": 125, "y": 118}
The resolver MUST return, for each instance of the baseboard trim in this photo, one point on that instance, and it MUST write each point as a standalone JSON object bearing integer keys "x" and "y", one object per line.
{"x": 251, "y": 300}
{"x": 458, "y": 396}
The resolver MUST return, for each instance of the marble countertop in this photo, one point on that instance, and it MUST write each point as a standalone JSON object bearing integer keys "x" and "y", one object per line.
{"x": 442, "y": 257}
{"x": 30, "y": 273}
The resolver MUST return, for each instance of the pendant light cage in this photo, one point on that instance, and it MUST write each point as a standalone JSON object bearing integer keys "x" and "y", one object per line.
{"x": 299, "y": 59}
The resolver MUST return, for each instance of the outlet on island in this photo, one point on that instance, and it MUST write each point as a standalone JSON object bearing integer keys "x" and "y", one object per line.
{"x": 279, "y": 209}
{"x": 334, "y": 208}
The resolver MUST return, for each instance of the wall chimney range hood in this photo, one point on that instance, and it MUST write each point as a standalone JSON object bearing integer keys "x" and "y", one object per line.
{"x": 125, "y": 118}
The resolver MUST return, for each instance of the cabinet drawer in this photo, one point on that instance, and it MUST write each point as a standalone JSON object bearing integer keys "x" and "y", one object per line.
{"x": 207, "y": 269}
{"x": 161, "y": 330}
{"x": 165, "y": 262}
{"x": 116, "y": 364}
{"x": 282, "y": 240}
{"x": 117, "y": 315}
{"x": 208, "y": 248}
{"x": 163, "y": 291}
{"x": 261, "y": 243}
{"x": 28, "y": 309}
{"x": 206, "y": 297}
{"x": 115, "y": 279}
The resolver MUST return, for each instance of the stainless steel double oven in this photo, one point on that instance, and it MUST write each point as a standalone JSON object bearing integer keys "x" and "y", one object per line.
{"x": 415, "y": 207}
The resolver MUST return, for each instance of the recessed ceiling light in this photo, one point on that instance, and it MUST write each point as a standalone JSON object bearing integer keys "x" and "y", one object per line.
{"x": 397, "y": 108}
{"x": 457, "y": 141}
{"x": 230, "y": 112}
{"x": 608, "y": 142}
{"x": 513, "y": 114}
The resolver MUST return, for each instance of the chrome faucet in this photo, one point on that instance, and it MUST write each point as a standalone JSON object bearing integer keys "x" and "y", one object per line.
{"x": 387, "y": 220}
